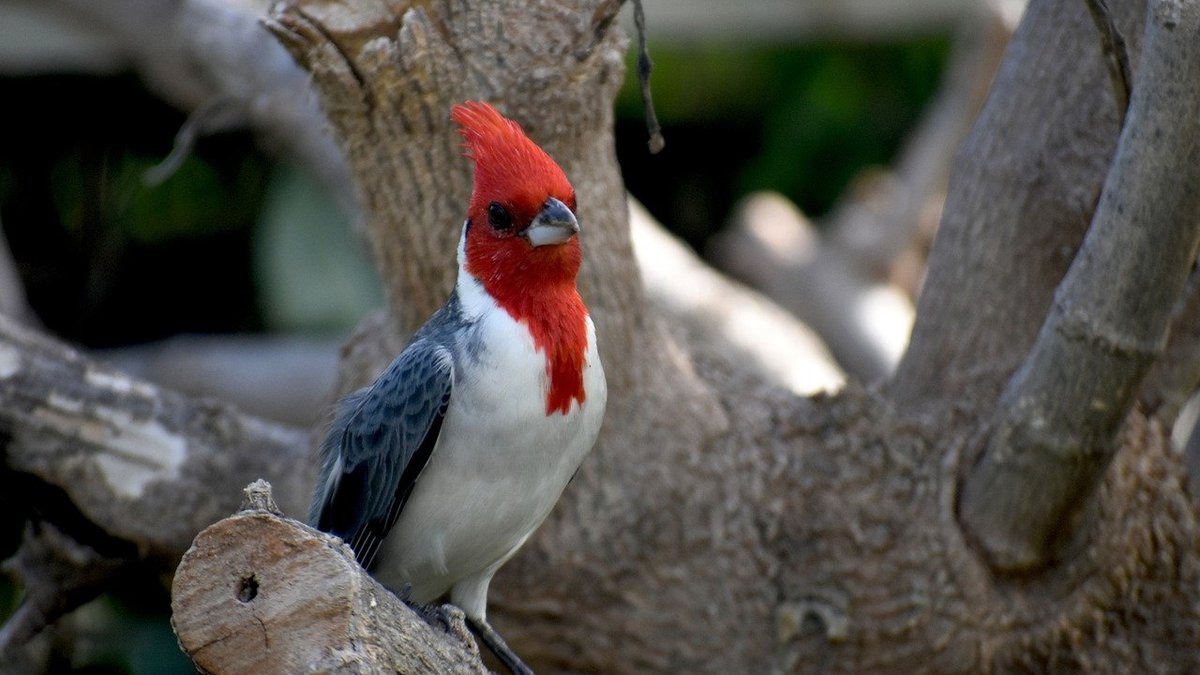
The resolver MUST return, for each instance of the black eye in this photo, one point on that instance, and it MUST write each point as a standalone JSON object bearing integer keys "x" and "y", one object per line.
{"x": 499, "y": 217}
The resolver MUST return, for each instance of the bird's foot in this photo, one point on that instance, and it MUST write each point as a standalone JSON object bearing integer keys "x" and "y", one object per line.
{"x": 433, "y": 614}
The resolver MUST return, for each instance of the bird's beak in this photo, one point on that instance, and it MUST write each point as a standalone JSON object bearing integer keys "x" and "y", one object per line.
{"x": 553, "y": 225}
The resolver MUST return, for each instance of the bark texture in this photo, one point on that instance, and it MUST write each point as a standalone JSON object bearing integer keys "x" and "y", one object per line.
{"x": 1110, "y": 315}
{"x": 1021, "y": 196}
{"x": 240, "y": 606}
{"x": 144, "y": 464}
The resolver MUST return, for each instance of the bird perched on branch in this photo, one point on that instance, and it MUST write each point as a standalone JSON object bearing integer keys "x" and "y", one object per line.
{"x": 440, "y": 470}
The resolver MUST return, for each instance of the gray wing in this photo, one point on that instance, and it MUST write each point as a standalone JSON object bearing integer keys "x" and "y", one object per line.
{"x": 380, "y": 441}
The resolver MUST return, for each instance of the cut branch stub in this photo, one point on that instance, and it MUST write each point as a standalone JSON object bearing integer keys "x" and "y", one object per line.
{"x": 1110, "y": 317}
{"x": 259, "y": 593}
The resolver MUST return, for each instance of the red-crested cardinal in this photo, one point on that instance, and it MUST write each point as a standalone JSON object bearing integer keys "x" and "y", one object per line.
{"x": 441, "y": 469}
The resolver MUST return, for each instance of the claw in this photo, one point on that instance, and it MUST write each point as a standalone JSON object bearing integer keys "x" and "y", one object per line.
{"x": 433, "y": 614}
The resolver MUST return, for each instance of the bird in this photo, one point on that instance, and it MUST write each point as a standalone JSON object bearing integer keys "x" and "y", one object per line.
{"x": 437, "y": 472}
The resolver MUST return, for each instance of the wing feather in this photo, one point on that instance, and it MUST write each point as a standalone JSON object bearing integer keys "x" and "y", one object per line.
{"x": 379, "y": 443}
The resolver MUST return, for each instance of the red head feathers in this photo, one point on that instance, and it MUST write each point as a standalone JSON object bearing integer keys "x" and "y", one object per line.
{"x": 516, "y": 182}
{"x": 509, "y": 168}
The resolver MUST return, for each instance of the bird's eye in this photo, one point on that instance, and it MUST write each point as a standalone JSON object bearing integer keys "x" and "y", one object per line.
{"x": 499, "y": 216}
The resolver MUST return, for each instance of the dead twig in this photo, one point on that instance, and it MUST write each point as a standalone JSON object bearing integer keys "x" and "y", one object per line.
{"x": 644, "y": 66}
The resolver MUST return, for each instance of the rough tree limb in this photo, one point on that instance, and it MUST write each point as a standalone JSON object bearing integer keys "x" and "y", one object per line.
{"x": 58, "y": 574}
{"x": 116, "y": 470}
{"x": 1175, "y": 375}
{"x": 1020, "y": 199}
{"x": 1053, "y": 434}
{"x": 206, "y": 54}
{"x": 260, "y": 593}
{"x": 714, "y": 308}
{"x": 875, "y": 228}
{"x": 145, "y": 464}
{"x": 281, "y": 378}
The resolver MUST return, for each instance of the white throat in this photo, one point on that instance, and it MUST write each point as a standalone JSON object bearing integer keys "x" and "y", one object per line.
{"x": 472, "y": 298}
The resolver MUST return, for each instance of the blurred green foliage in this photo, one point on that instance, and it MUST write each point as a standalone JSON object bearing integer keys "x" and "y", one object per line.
{"x": 801, "y": 120}
{"x": 124, "y": 632}
{"x": 197, "y": 200}
{"x": 310, "y": 273}
{"x": 106, "y": 258}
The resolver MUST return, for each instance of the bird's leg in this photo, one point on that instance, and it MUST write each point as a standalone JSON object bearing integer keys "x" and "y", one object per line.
{"x": 484, "y": 631}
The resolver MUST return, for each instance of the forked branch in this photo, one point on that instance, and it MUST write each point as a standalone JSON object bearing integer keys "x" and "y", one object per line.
{"x": 1050, "y": 441}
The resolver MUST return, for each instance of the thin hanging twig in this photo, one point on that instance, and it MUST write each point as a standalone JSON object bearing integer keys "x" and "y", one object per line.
{"x": 644, "y": 66}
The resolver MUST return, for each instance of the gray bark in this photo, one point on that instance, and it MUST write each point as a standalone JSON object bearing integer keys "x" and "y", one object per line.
{"x": 1021, "y": 196}
{"x": 145, "y": 464}
{"x": 1053, "y": 432}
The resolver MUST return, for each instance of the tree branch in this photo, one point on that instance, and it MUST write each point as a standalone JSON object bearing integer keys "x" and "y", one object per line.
{"x": 874, "y": 230}
{"x": 772, "y": 245}
{"x": 145, "y": 464}
{"x": 58, "y": 574}
{"x": 1021, "y": 196}
{"x": 261, "y": 593}
{"x": 287, "y": 379}
{"x": 1053, "y": 433}
{"x": 717, "y": 310}
{"x": 203, "y": 53}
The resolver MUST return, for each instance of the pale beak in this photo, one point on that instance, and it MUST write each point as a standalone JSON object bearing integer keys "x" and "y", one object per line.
{"x": 555, "y": 224}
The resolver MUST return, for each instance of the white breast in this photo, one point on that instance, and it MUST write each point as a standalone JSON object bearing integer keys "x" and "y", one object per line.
{"x": 499, "y": 466}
